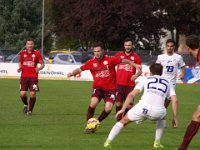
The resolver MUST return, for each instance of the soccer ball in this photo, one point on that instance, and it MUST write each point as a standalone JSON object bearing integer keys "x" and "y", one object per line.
{"x": 93, "y": 124}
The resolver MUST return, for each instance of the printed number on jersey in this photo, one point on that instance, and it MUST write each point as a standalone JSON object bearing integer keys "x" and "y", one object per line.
{"x": 154, "y": 82}
{"x": 170, "y": 68}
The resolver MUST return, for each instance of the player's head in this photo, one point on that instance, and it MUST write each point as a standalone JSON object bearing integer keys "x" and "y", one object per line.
{"x": 170, "y": 45}
{"x": 98, "y": 50}
{"x": 128, "y": 45}
{"x": 30, "y": 44}
{"x": 156, "y": 69}
{"x": 192, "y": 42}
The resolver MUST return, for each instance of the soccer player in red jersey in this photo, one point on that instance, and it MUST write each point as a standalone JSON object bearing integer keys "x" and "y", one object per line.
{"x": 102, "y": 68}
{"x": 28, "y": 66}
{"x": 126, "y": 74}
{"x": 192, "y": 42}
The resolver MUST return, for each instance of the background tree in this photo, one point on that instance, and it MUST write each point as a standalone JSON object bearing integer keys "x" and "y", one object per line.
{"x": 19, "y": 20}
{"x": 109, "y": 21}
{"x": 182, "y": 16}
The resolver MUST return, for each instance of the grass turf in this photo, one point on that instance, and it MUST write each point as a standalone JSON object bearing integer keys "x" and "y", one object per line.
{"x": 58, "y": 120}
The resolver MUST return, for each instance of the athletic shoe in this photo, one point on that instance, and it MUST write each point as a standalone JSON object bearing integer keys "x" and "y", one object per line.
{"x": 157, "y": 144}
{"x": 25, "y": 109}
{"x": 107, "y": 144}
{"x": 29, "y": 113}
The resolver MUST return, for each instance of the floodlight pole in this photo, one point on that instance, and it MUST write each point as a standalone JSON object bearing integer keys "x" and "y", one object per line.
{"x": 42, "y": 40}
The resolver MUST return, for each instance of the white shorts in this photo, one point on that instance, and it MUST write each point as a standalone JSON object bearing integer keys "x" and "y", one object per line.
{"x": 139, "y": 113}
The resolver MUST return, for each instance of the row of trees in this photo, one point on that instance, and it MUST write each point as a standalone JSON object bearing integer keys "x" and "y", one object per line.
{"x": 75, "y": 23}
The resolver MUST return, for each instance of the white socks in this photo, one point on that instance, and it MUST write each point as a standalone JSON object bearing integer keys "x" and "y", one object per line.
{"x": 161, "y": 124}
{"x": 115, "y": 131}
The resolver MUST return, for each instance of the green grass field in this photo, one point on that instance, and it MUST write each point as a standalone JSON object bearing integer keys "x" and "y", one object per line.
{"x": 58, "y": 120}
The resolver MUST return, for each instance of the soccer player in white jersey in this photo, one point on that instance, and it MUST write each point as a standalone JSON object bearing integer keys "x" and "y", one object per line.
{"x": 151, "y": 106}
{"x": 170, "y": 62}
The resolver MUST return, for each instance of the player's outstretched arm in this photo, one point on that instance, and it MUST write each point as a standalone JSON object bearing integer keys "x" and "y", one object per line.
{"x": 74, "y": 72}
{"x": 175, "y": 111}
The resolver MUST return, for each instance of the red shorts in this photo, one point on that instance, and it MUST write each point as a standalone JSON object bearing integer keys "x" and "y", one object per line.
{"x": 29, "y": 83}
{"x": 122, "y": 92}
{"x": 107, "y": 94}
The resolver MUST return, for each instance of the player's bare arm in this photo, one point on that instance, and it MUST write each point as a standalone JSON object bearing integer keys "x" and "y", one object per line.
{"x": 175, "y": 111}
{"x": 128, "y": 100}
{"x": 74, "y": 72}
{"x": 41, "y": 66}
{"x": 126, "y": 61}
{"x": 138, "y": 73}
{"x": 19, "y": 67}
{"x": 182, "y": 73}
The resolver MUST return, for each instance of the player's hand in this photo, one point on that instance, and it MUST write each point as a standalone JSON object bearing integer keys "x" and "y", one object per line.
{"x": 120, "y": 112}
{"x": 174, "y": 123}
{"x": 19, "y": 70}
{"x": 69, "y": 74}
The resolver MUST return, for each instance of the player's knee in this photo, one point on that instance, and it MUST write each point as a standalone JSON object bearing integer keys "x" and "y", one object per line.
{"x": 108, "y": 108}
{"x": 118, "y": 104}
{"x": 32, "y": 94}
{"x": 22, "y": 94}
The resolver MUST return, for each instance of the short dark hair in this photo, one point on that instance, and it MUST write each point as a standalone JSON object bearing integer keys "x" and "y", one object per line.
{"x": 98, "y": 44}
{"x": 192, "y": 41}
{"x": 156, "y": 69}
{"x": 128, "y": 39}
{"x": 170, "y": 41}
{"x": 30, "y": 39}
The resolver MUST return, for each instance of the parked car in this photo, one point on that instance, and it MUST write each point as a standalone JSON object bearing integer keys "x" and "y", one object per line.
{"x": 53, "y": 53}
{"x": 70, "y": 59}
{"x": 4, "y": 53}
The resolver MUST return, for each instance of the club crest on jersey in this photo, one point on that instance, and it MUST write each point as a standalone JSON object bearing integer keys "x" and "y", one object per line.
{"x": 25, "y": 55}
{"x": 94, "y": 64}
{"x": 33, "y": 55}
{"x": 105, "y": 62}
{"x": 132, "y": 58}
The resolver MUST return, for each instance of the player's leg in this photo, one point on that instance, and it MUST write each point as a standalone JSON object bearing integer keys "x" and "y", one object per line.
{"x": 119, "y": 100}
{"x": 116, "y": 129}
{"x": 128, "y": 89}
{"x": 106, "y": 111}
{"x": 23, "y": 91}
{"x": 33, "y": 89}
{"x": 91, "y": 108}
{"x": 192, "y": 129}
{"x": 109, "y": 98}
{"x": 160, "y": 126}
{"x": 134, "y": 114}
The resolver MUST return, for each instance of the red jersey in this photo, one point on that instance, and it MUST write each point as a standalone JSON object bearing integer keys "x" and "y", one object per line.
{"x": 103, "y": 71}
{"x": 29, "y": 63}
{"x": 125, "y": 71}
{"x": 198, "y": 58}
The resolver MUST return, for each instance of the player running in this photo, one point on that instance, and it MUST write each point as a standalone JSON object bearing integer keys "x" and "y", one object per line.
{"x": 170, "y": 62}
{"x": 28, "y": 66}
{"x": 126, "y": 74}
{"x": 102, "y": 68}
{"x": 151, "y": 105}
{"x": 192, "y": 42}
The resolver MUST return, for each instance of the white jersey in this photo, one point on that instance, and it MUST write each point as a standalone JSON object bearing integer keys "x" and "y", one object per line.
{"x": 170, "y": 66}
{"x": 156, "y": 90}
